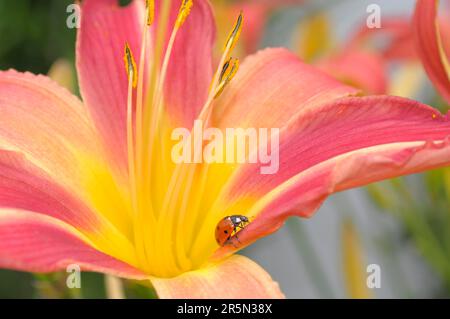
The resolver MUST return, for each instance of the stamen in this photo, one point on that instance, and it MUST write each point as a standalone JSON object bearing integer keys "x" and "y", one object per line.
{"x": 216, "y": 81}
{"x": 131, "y": 70}
{"x": 144, "y": 214}
{"x": 224, "y": 70}
{"x": 166, "y": 218}
{"x": 182, "y": 177}
{"x": 185, "y": 9}
{"x": 235, "y": 33}
{"x": 130, "y": 65}
{"x": 228, "y": 72}
{"x": 150, "y": 6}
{"x": 149, "y": 128}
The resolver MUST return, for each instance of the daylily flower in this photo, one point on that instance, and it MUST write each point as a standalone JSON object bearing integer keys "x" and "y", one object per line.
{"x": 364, "y": 60}
{"x": 353, "y": 64}
{"x": 396, "y": 34}
{"x": 93, "y": 183}
{"x": 432, "y": 41}
{"x": 426, "y": 37}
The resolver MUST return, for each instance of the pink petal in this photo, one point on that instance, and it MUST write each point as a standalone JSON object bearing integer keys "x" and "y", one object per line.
{"x": 271, "y": 87}
{"x": 105, "y": 28}
{"x": 234, "y": 278}
{"x": 37, "y": 243}
{"x": 345, "y": 144}
{"x": 25, "y": 186}
{"x": 47, "y": 123}
{"x": 190, "y": 68}
{"x": 430, "y": 47}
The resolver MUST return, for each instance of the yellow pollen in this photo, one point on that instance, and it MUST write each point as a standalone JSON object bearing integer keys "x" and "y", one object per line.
{"x": 130, "y": 64}
{"x": 235, "y": 33}
{"x": 228, "y": 72}
{"x": 185, "y": 9}
{"x": 150, "y": 5}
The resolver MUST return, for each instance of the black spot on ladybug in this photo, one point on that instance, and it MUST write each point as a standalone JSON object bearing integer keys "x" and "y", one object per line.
{"x": 225, "y": 231}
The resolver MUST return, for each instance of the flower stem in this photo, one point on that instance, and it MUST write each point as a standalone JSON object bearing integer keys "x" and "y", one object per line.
{"x": 114, "y": 287}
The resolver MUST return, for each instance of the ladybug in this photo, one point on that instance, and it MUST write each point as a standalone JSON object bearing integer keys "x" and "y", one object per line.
{"x": 228, "y": 227}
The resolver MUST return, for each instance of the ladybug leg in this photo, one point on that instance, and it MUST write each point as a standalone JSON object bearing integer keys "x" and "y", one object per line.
{"x": 237, "y": 239}
{"x": 231, "y": 241}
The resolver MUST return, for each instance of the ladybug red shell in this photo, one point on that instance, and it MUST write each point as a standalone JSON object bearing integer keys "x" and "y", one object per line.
{"x": 228, "y": 228}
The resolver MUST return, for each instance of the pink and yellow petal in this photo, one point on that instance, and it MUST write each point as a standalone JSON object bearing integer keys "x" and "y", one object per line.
{"x": 46, "y": 122}
{"x": 52, "y": 129}
{"x": 429, "y": 44}
{"x": 305, "y": 193}
{"x": 252, "y": 101}
{"x": 344, "y": 126}
{"x": 345, "y": 144}
{"x": 236, "y": 277}
{"x": 38, "y": 243}
{"x": 27, "y": 187}
{"x": 24, "y": 186}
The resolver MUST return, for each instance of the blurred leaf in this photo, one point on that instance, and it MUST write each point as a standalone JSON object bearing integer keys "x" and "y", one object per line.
{"x": 92, "y": 285}
{"x": 380, "y": 194}
{"x": 12, "y": 32}
{"x": 40, "y": 38}
{"x": 446, "y": 178}
{"x": 15, "y": 284}
{"x": 435, "y": 182}
{"x": 53, "y": 286}
{"x": 136, "y": 290}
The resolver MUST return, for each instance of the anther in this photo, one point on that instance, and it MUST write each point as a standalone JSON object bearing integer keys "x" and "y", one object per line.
{"x": 150, "y": 6}
{"x": 228, "y": 72}
{"x": 235, "y": 33}
{"x": 185, "y": 9}
{"x": 130, "y": 65}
